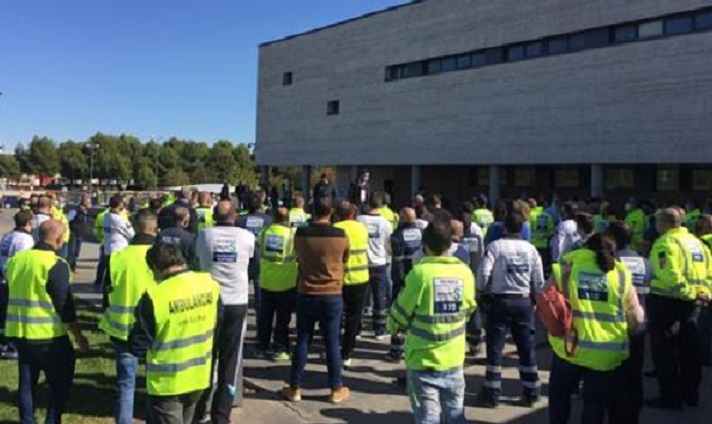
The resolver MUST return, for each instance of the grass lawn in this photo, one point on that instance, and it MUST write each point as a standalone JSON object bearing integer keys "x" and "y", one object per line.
{"x": 92, "y": 396}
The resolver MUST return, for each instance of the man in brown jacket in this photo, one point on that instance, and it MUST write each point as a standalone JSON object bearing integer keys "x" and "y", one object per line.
{"x": 322, "y": 251}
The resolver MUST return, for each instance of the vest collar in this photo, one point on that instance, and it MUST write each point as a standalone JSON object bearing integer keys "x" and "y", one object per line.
{"x": 143, "y": 240}
{"x": 44, "y": 247}
{"x": 580, "y": 255}
{"x": 446, "y": 260}
{"x": 680, "y": 230}
{"x": 173, "y": 275}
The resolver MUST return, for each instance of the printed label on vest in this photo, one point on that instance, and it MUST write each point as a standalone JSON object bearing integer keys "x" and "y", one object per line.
{"x": 374, "y": 230}
{"x": 175, "y": 241}
{"x": 592, "y": 287}
{"x": 254, "y": 224}
{"x": 472, "y": 244}
{"x": 448, "y": 295}
{"x": 542, "y": 223}
{"x": 412, "y": 235}
{"x": 225, "y": 252}
{"x": 201, "y": 215}
{"x": 636, "y": 266}
{"x": 696, "y": 251}
{"x": 274, "y": 243}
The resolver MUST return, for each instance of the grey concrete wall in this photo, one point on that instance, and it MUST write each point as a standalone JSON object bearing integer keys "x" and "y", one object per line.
{"x": 646, "y": 102}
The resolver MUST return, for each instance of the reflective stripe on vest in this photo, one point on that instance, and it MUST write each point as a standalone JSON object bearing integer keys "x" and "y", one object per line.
{"x": 278, "y": 267}
{"x": 30, "y": 312}
{"x": 356, "y": 269}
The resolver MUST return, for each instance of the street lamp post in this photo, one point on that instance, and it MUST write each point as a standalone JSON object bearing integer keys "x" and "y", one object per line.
{"x": 92, "y": 146}
{"x": 157, "y": 141}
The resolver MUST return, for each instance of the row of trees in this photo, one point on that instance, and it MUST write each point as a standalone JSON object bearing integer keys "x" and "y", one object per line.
{"x": 126, "y": 159}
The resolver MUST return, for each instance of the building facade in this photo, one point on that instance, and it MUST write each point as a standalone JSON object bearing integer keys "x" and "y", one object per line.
{"x": 466, "y": 96}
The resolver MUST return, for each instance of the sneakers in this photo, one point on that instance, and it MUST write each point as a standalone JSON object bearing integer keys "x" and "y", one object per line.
{"x": 292, "y": 394}
{"x": 488, "y": 401}
{"x": 339, "y": 395}
{"x": 347, "y": 363}
{"x": 262, "y": 354}
{"x": 281, "y": 356}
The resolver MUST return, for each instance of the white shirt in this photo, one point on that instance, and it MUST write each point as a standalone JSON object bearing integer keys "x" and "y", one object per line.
{"x": 37, "y": 221}
{"x": 379, "y": 239}
{"x": 118, "y": 233}
{"x": 421, "y": 224}
{"x": 564, "y": 239}
{"x": 13, "y": 242}
{"x": 225, "y": 253}
{"x": 511, "y": 266}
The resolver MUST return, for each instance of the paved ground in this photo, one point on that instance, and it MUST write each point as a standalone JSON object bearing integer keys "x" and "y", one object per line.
{"x": 375, "y": 399}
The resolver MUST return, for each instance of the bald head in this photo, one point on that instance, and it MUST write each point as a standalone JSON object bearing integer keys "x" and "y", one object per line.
{"x": 52, "y": 233}
{"x": 668, "y": 219}
{"x": 419, "y": 200}
{"x": 407, "y": 215}
{"x": 44, "y": 203}
{"x": 182, "y": 216}
{"x": 205, "y": 200}
{"x": 224, "y": 212}
{"x": 458, "y": 230}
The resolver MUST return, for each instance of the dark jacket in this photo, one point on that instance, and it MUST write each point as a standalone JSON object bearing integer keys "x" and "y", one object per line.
{"x": 79, "y": 222}
{"x": 407, "y": 247}
{"x": 254, "y": 223}
{"x": 322, "y": 189}
{"x": 166, "y": 219}
{"x": 182, "y": 239}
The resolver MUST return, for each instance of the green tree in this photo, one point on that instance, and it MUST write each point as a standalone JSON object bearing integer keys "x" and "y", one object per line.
{"x": 43, "y": 157}
{"x": 245, "y": 170}
{"x": 9, "y": 167}
{"x": 73, "y": 162}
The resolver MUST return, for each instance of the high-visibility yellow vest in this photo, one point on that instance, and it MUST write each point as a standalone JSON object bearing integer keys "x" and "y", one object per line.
{"x": 390, "y": 216}
{"x": 542, "y": 227}
{"x": 185, "y": 309}
{"x": 681, "y": 266}
{"x": 205, "y": 218}
{"x": 484, "y": 218}
{"x": 356, "y": 270}
{"x": 30, "y": 312}
{"x": 434, "y": 308}
{"x": 692, "y": 217}
{"x": 597, "y": 299}
{"x": 639, "y": 223}
{"x": 278, "y": 261}
{"x": 298, "y": 218}
{"x": 707, "y": 240}
{"x": 130, "y": 277}
{"x": 58, "y": 215}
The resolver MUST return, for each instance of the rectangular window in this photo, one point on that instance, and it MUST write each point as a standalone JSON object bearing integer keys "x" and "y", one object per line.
{"x": 415, "y": 69}
{"x": 287, "y": 78}
{"x": 702, "y": 179}
{"x": 495, "y": 56}
{"x": 333, "y": 107}
{"x": 600, "y": 37}
{"x": 478, "y": 59}
{"x": 567, "y": 178}
{"x": 620, "y": 179}
{"x": 391, "y": 73}
{"x": 482, "y": 176}
{"x": 434, "y": 66}
{"x": 650, "y": 29}
{"x": 515, "y": 53}
{"x": 625, "y": 34}
{"x": 577, "y": 42}
{"x": 463, "y": 62}
{"x": 558, "y": 45}
{"x": 678, "y": 25}
{"x": 448, "y": 64}
{"x": 534, "y": 49}
{"x": 525, "y": 177}
{"x": 703, "y": 21}
{"x": 668, "y": 178}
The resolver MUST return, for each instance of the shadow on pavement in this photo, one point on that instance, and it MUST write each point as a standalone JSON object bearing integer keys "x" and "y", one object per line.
{"x": 355, "y": 416}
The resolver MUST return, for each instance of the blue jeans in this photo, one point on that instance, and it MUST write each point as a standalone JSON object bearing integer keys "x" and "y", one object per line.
{"x": 378, "y": 282}
{"x": 705, "y": 328}
{"x": 126, "y": 370}
{"x": 326, "y": 310}
{"x": 75, "y": 248}
{"x": 437, "y": 396}
{"x": 56, "y": 359}
{"x": 100, "y": 269}
{"x": 64, "y": 251}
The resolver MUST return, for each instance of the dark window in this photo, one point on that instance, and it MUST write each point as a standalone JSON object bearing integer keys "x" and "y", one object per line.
{"x": 287, "y": 78}
{"x": 703, "y": 21}
{"x": 448, "y": 64}
{"x": 558, "y": 45}
{"x": 434, "y": 66}
{"x": 391, "y": 73}
{"x": 333, "y": 107}
{"x": 515, "y": 53}
{"x": 597, "y": 38}
{"x": 650, "y": 29}
{"x": 577, "y": 42}
{"x": 534, "y": 49}
{"x": 463, "y": 62}
{"x": 495, "y": 55}
{"x": 479, "y": 59}
{"x": 678, "y": 25}
{"x": 625, "y": 33}
{"x": 415, "y": 69}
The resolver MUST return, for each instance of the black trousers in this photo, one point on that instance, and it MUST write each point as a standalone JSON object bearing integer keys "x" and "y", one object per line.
{"x": 565, "y": 378}
{"x": 675, "y": 345}
{"x": 231, "y": 339}
{"x": 179, "y": 409}
{"x": 56, "y": 359}
{"x": 354, "y": 301}
{"x": 628, "y": 387}
{"x": 275, "y": 308}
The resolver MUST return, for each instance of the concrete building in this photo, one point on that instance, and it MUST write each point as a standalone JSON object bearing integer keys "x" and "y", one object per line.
{"x": 502, "y": 97}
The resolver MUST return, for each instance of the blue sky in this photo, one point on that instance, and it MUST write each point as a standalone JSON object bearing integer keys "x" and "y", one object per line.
{"x": 70, "y": 68}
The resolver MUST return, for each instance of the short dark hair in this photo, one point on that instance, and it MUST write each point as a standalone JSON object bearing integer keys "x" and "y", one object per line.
{"x": 162, "y": 256}
{"x": 115, "y": 201}
{"x": 376, "y": 201}
{"x": 467, "y": 207}
{"x": 323, "y": 206}
{"x": 514, "y": 222}
{"x": 569, "y": 209}
{"x": 621, "y": 232}
{"x": 255, "y": 202}
{"x": 23, "y": 218}
{"x": 345, "y": 210}
{"x": 155, "y": 204}
{"x": 585, "y": 222}
{"x": 438, "y": 236}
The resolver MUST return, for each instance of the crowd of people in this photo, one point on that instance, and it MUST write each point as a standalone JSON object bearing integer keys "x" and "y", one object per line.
{"x": 438, "y": 282}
